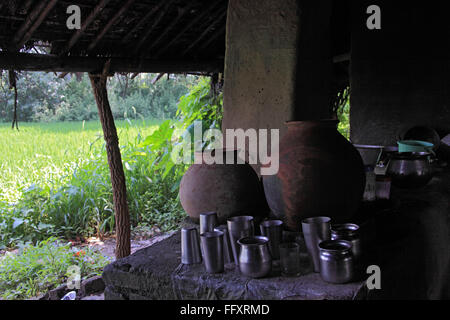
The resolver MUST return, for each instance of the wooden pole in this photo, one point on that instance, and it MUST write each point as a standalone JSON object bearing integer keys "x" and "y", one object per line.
{"x": 98, "y": 82}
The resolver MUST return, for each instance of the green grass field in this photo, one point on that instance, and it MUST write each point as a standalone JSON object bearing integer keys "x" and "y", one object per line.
{"x": 44, "y": 153}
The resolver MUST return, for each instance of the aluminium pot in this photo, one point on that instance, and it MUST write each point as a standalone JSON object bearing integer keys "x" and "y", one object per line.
{"x": 228, "y": 189}
{"x": 255, "y": 260}
{"x": 320, "y": 173}
{"x": 410, "y": 169}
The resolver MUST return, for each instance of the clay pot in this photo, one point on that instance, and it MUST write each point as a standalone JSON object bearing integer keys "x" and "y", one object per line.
{"x": 320, "y": 174}
{"x": 228, "y": 189}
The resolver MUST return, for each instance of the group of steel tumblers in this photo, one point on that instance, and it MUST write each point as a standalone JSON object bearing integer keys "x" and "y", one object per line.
{"x": 333, "y": 249}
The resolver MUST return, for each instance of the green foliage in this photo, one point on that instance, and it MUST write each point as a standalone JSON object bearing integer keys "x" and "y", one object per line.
{"x": 36, "y": 269}
{"x": 55, "y": 180}
{"x": 343, "y": 113}
{"x": 44, "y": 97}
{"x": 59, "y": 183}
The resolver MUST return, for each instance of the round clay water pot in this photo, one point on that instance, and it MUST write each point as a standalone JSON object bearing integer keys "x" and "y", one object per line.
{"x": 227, "y": 189}
{"x": 320, "y": 173}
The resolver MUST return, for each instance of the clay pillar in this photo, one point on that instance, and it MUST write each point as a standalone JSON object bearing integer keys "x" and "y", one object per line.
{"x": 277, "y": 63}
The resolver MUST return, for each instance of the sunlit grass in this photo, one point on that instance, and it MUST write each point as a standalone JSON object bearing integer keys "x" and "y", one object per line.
{"x": 47, "y": 153}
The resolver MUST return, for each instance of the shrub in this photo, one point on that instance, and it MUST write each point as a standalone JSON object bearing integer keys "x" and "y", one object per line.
{"x": 37, "y": 269}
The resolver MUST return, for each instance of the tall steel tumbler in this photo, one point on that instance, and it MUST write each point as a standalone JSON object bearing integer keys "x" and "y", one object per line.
{"x": 212, "y": 243}
{"x": 273, "y": 229}
{"x": 239, "y": 227}
{"x": 208, "y": 221}
{"x": 316, "y": 230}
{"x": 190, "y": 246}
{"x": 227, "y": 251}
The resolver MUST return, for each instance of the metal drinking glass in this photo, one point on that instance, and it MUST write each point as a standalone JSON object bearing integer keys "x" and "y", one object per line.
{"x": 190, "y": 246}
{"x": 254, "y": 258}
{"x": 212, "y": 243}
{"x": 239, "y": 227}
{"x": 316, "y": 230}
{"x": 336, "y": 261}
{"x": 208, "y": 221}
{"x": 273, "y": 229}
{"x": 290, "y": 259}
{"x": 227, "y": 251}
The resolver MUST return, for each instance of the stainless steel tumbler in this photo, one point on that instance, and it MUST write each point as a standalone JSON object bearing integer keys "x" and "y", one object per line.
{"x": 212, "y": 244}
{"x": 336, "y": 261}
{"x": 273, "y": 229}
{"x": 239, "y": 227}
{"x": 227, "y": 251}
{"x": 190, "y": 246}
{"x": 349, "y": 232}
{"x": 208, "y": 221}
{"x": 254, "y": 258}
{"x": 316, "y": 230}
{"x": 290, "y": 259}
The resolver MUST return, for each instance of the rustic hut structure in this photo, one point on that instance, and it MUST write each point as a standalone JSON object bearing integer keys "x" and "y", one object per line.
{"x": 282, "y": 60}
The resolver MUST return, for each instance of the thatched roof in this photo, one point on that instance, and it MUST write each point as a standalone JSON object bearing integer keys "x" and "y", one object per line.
{"x": 139, "y": 35}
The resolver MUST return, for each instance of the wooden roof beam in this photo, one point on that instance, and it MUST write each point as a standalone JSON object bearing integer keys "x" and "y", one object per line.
{"x": 31, "y": 17}
{"x": 147, "y": 33}
{"x": 180, "y": 15}
{"x": 142, "y": 22}
{"x": 187, "y": 27}
{"x": 54, "y": 63}
{"x": 36, "y": 24}
{"x": 110, "y": 23}
{"x": 94, "y": 13}
{"x": 26, "y": 6}
{"x": 205, "y": 32}
{"x": 218, "y": 33}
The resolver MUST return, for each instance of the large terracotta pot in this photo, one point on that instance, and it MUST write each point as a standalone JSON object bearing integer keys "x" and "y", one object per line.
{"x": 228, "y": 189}
{"x": 320, "y": 174}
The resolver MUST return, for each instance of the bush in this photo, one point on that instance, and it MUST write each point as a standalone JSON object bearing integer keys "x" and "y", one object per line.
{"x": 82, "y": 205}
{"x": 37, "y": 269}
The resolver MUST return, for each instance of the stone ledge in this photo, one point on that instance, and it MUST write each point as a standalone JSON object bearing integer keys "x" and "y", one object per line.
{"x": 156, "y": 273}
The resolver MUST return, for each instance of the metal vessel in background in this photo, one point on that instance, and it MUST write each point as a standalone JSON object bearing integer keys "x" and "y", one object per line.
{"x": 410, "y": 169}
{"x": 336, "y": 261}
{"x": 254, "y": 257}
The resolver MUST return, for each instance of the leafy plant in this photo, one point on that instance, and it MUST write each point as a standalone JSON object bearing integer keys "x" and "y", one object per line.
{"x": 37, "y": 269}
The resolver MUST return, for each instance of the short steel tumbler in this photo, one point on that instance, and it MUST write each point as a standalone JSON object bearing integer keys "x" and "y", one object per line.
{"x": 190, "y": 246}
{"x": 239, "y": 227}
{"x": 212, "y": 244}
{"x": 227, "y": 251}
{"x": 273, "y": 229}
{"x": 290, "y": 259}
{"x": 336, "y": 261}
{"x": 208, "y": 221}
{"x": 316, "y": 230}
